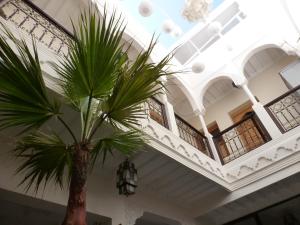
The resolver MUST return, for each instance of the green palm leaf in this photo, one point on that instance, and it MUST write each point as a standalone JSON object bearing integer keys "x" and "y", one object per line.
{"x": 125, "y": 142}
{"x": 90, "y": 69}
{"x": 45, "y": 157}
{"x": 135, "y": 83}
{"x": 23, "y": 96}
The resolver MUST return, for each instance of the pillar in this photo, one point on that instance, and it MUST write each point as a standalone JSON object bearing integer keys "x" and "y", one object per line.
{"x": 263, "y": 115}
{"x": 209, "y": 137}
{"x": 170, "y": 115}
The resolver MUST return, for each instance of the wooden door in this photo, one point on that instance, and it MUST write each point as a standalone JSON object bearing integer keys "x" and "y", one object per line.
{"x": 239, "y": 113}
{"x": 249, "y": 135}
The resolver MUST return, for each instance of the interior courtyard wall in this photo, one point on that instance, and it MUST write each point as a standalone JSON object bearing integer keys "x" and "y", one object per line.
{"x": 266, "y": 86}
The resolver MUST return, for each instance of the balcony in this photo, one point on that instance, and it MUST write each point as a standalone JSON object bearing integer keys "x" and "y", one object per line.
{"x": 231, "y": 143}
{"x": 193, "y": 136}
{"x": 29, "y": 18}
{"x": 189, "y": 134}
{"x": 240, "y": 138}
{"x": 28, "y": 21}
{"x": 285, "y": 110}
{"x": 188, "y": 146}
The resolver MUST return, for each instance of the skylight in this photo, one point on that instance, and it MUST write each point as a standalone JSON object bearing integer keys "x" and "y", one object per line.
{"x": 164, "y": 12}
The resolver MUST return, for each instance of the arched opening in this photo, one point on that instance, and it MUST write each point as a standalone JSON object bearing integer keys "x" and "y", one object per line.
{"x": 221, "y": 96}
{"x": 274, "y": 79}
{"x": 265, "y": 73}
{"x": 187, "y": 122}
{"x": 182, "y": 106}
{"x": 231, "y": 120}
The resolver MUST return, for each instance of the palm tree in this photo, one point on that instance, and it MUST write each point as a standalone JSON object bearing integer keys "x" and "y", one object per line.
{"x": 99, "y": 81}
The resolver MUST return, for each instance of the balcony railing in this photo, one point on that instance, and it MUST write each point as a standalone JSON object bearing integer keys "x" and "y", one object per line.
{"x": 157, "y": 112}
{"x": 285, "y": 110}
{"x": 193, "y": 136}
{"x": 28, "y": 17}
{"x": 241, "y": 138}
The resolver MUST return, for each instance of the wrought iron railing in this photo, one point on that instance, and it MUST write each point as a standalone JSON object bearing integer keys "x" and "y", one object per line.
{"x": 241, "y": 138}
{"x": 192, "y": 136}
{"x": 285, "y": 110}
{"x": 157, "y": 112}
{"x": 28, "y": 17}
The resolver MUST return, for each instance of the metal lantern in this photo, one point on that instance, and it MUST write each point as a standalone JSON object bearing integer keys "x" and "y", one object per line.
{"x": 126, "y": 178}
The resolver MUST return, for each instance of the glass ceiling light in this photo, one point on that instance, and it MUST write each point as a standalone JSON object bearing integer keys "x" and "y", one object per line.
{"x": 146, "y": 8}
{"x": 126, "y": 178}
{"x": 195, "y": 10}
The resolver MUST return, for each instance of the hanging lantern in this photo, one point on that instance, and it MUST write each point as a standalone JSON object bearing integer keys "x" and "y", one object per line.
{"x": 145, "y": 8}
{"x": 198, "y": 67}
{"x": 126, "y": 178}
{"x": 168, "y": 26}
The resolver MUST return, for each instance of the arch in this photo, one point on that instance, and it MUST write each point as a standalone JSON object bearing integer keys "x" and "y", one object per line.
{"x": 236, "y": 79}
{"x": 183, "y": 85}
{"x": 257, "y": 49}
{"x": 268, "y": 54}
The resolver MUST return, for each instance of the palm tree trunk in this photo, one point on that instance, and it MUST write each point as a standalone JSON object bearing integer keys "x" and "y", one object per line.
{"x": 76, "y": 208}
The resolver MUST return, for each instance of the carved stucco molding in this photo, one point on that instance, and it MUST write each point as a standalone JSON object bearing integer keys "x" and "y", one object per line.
{"x": 261, "y": 161}
{"x": 184, "y": 149}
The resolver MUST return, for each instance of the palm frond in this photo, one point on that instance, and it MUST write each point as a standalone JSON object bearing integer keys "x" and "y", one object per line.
{"x": 136, "y": 83}
{"x": 44, "y": 157}
{"x": 95, "y": 53}
{"x": 23, "y": 96}
{"x": 125, "y": 142}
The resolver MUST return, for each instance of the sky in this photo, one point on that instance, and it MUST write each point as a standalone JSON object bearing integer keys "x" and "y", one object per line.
{"x": 163, "y": 10}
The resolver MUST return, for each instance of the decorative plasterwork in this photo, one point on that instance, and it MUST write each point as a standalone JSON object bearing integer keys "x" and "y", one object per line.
{"x": 182, "y": 148}
{"x": 265, "y": 158}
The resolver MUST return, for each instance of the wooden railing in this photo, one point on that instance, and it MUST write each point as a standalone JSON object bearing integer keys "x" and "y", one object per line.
{"x": 241, "y": 138}
{"x": 192, "y": 136}
{"x": 31, "y": 19}
{"x": 157, "y": 112}
{"x": 285, "y": 110}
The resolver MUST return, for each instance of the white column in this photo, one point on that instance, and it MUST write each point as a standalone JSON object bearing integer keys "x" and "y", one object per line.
{"x": 170, "y": 115}
{"x": 249, "y": 93}
{"x": 209, "y": 137}
{"x": 263, "y": 115}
